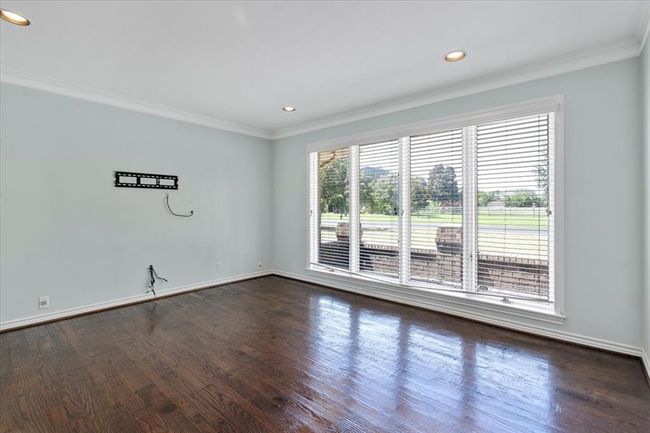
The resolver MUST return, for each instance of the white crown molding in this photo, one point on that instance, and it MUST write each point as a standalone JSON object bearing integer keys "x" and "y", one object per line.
{"x": 12, "y": 76}
{"x": 558, "y": 65}
{"x": 644, "y": 26}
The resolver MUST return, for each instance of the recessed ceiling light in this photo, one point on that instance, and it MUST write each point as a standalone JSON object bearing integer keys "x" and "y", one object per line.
{"x": 13, "y": 18}
{"x": 455, "y": 56}
{"x": 289, "y": 108}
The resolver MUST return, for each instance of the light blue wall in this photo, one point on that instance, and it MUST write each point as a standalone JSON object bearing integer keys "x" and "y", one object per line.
{"x": 604, "y": 197}
{"x": 67, "y": 232}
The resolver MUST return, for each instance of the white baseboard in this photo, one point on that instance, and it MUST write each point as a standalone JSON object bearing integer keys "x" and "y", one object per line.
{"x": 61, "y": 314}
{"x": 484, "y": 317}
{"x": 645, "y": 359}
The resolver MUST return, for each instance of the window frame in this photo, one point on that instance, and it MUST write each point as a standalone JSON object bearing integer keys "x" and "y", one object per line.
{"x": 551, "y": 311}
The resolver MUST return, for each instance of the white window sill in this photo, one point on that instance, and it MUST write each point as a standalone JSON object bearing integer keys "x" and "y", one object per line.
{"x": 428, "y": 295}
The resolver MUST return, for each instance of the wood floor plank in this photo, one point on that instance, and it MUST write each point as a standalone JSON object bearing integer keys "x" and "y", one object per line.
{"x": 278, "y": 355}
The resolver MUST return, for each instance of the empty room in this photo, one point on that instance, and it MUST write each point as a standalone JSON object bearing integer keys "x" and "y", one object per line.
{"x": 324, "y": 216}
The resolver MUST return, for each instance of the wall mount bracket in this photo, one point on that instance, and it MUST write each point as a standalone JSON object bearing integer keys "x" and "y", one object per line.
{"x": 129, "y": 179}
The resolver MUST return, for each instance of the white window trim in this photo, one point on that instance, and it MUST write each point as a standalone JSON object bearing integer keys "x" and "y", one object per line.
{"x": 355, "y": 235}
{"x": 407, "y": 293}
{"x": 553, "y": 312}
{"x": 404, "y": 210}
{"x": 314, "y": 207}
{"x": 470, "y": 253}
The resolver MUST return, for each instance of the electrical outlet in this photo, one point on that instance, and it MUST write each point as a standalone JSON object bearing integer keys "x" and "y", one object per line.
{"x": 259, "y": 265}
{"x": 43, "y": 302}
{"x": 219, "y": 267}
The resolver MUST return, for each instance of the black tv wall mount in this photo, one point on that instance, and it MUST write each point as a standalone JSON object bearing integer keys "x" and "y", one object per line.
{"x": 128, "y": 179}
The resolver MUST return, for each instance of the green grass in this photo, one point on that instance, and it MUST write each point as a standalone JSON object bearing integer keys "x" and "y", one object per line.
{"x": 423, "y": 236}
{"x": 521, "y": 245}
{"x": 524, "y": 218}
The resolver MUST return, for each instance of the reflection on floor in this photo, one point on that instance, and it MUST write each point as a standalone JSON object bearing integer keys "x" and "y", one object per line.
{"x": 273, "y": 354}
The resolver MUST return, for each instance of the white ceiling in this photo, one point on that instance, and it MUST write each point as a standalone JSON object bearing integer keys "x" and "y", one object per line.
{"x": 235, "y": 64}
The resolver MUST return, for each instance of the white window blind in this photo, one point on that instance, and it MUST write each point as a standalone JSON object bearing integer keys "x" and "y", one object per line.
{"x": 378, "y": 208}
{"x": 436, "y": 207}
{"x": 467, "y": 209}
{"x": 514, "y": 222}
{"x": 334, "y": 208}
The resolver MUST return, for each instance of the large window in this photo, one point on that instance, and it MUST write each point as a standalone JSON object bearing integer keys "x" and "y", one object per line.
{"x": 467, "y": 209}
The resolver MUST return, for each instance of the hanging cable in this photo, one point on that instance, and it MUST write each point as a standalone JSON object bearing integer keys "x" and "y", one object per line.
{"x": 153, "y": 276}
{"x": 174, "y": 213}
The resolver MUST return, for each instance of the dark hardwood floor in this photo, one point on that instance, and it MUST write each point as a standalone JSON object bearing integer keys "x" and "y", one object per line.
{"x": 278, "y": 355}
